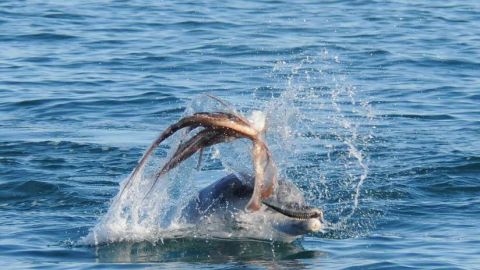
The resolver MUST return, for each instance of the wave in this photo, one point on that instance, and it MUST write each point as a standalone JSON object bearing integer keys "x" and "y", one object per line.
{"x": 43, "y": 37}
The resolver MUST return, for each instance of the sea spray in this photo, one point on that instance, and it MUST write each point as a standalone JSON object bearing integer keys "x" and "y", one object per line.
{"x": 319, "y": 130}
{"x": 315, "y": 127}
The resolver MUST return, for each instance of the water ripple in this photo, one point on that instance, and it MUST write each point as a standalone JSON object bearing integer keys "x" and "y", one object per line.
{"x": 86, "y": 86}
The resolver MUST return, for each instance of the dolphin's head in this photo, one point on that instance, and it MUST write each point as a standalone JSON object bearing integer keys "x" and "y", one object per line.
{"x": 289, "y": 212}
{"x": 267, "y": 223}
{"x": 284, "y": 214}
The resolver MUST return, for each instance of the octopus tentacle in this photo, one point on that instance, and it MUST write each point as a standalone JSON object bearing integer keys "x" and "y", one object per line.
{"x": 262, "y": 161}
{"x": 218, "y": 127}
{"x": 204, "y": 119}
{"x": 226, "y": 105}
{"x": 201, "y": 140}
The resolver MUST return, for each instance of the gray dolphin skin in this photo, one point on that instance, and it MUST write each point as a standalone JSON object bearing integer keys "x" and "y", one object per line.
{"x": 224, "y": 200}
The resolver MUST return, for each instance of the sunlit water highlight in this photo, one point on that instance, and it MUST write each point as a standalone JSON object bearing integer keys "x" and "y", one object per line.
{"x": 372, "y": 111}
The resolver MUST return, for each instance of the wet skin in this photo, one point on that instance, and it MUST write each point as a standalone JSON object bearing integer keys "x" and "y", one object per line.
{"x": 226, "y": 199}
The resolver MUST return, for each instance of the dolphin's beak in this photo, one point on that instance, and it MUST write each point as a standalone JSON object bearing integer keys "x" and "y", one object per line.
{"x": 301, "y": 220}
{"x": 304, "y": 212}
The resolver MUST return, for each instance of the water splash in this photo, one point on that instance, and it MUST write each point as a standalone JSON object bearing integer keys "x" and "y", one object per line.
{"x": 319, "y": 132}
{"x": 136, "y": 214}
{"x": 134, "y": 217}
{"x": 316, "y": 129}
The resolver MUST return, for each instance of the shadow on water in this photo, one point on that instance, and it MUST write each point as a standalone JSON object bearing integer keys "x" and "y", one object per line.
{"x": 214, "y": 251}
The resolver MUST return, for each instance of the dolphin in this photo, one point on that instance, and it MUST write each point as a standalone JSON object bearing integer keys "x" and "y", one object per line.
{"x": 239, "y": 201}
{"x": 285, "y": 213}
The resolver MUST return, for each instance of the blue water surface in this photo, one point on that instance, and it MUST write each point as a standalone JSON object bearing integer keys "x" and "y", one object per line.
{"x": 85, "y": 86}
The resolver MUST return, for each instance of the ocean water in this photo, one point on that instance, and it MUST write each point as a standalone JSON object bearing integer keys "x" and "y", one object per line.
{"x": 373, "y": 110}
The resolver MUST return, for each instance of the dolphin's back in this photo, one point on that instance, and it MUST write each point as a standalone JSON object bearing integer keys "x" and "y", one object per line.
{"x": 224, "y": 195}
